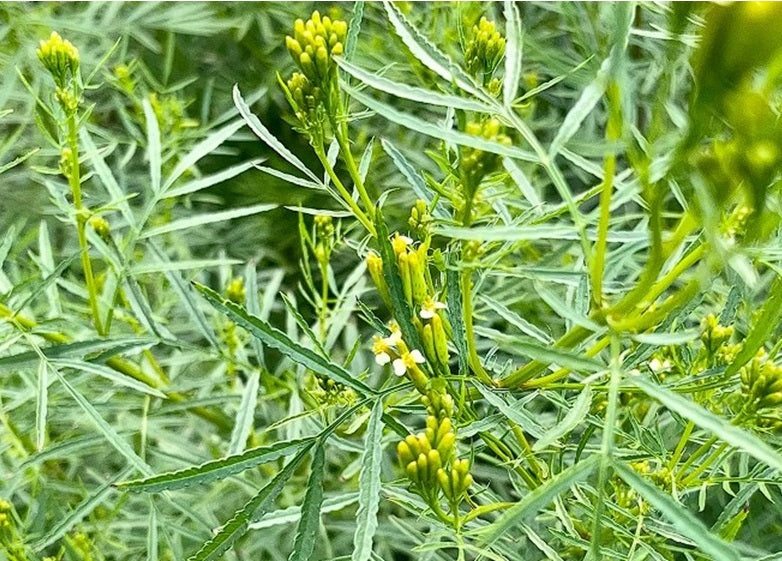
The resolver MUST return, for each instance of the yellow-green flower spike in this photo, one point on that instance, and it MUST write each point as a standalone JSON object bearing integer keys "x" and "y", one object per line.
{"x": 60, "y": 58}
{"x": 101, "y": 227}
{"x": 484, "y": 50}
{"x": 235, "y": 290}
{"x": 475, "y": 164}
{"x": 417, "y": 278}
{"x": 313, "y": 45}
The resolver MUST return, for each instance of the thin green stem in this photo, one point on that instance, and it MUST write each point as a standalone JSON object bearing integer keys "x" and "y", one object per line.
{"x": 485, "y": 509}
{"x": 469, "y": 330}
{"x": 704, "y": 465}
{"x": 343, "y": 192}
{"x": 74, "y": 180}
{"x": 677, "y": 453}
{"x": 343, "y": 139}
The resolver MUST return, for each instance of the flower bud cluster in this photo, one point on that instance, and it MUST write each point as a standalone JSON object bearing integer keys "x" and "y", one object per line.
{"x": 475, "y": 164}
{"x": 101, "y": 227}
{"x": 420, "y": 219}
{"x": 235, "y": 290}
{"x": 484, "y": 50}
{"x": 429, "y": 457}
{"x": 313, "y": 45}
{"x": 331, "y": 393}
{"x": 325, "y": 238}
{"x": 60, "y": 58}
{"x": 714, "y": 335}
{"x": 761, "y": 385}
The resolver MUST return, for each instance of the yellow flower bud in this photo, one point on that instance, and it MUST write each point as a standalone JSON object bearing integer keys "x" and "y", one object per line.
{"x": 406, "y": 276}
{"x": 427, "y": 338}
{"x": 337, "y": 49}
{"x": 417, "y": 278}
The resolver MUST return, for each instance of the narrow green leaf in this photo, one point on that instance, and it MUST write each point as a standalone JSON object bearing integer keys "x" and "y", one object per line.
{"x": 354, "y": 29}
{"x": 79, "y": 349}
{"x": 455, "y": 316}
{"x": 514, "y": 412}
{"x": 412, "y": 176}
{"x": 277, "y": 339}
{"x": 47, "y": 267}
{"x": 152, "y": 533}
{"x": 417, "y": 124}
{"x": 154, "y": 150}
{"x": 411, "y": 93}
{"x": 369, "y": 486}
{"x": 206, "y": 146}
{"x": 524, "y": 185}
{"x": 722, "y": 429}
{"x": 108, "y": 432}
{"x": 237, "y": 526}
{"x": 214, "y": 470}
{"x": 210, "y": 180}
{"x": 263, "y": 133}
{"x": 763, "y": 328}
{"x": 163, "y": 266}
{"x": 293, "y": 513}
{"x": 307, "y": 531}
{"x": 245, "y": 415}
{"x": 513, "y": 51}
{"x": 83, "y": 509}
{"x": 539, "y": 497}
{"x": 106, "y": 176}
{"x": 41, "y": 404}
{"x": 684, "y": 521}
{"x": 109, "y": 374}
{"x": 582, "y": 108}
{"x": 207, "y": 218}
{"x": 574, "y": 416}
{"x": 401, "y": 308}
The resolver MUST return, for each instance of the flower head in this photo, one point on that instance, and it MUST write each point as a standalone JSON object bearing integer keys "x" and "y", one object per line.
{"x": 430, "y": 308}
{"x": 400, "y": 243}
{"x": 408, "y": 361}
{"x": 60, "y": 58}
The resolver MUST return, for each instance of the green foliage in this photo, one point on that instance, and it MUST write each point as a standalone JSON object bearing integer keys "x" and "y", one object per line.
{"x": 390, "y": 281}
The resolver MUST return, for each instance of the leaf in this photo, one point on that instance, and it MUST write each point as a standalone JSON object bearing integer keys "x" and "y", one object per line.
{"x": 369, "y": 486}
{"x": 292, "y": 513}
{"x": 763, "y": 328}
{"x": 583, "y": 107}
{"x": 245, "y": 415}
{"x": 263, "y": 133}
{"x": 429, "y": 55}
{"x": 400, "y": 307}
{"x": 540, "y": 496}
{"x": 277, "y": 339}
{"x": 411, "y": 93}
{"x": 152, "y": 533}
{"x": 237, "y": 526}
{"x": 109, "y": 374}
{"x": 161, "y": 267}
{"x": 214, "y": 470}
{"x": 522, "y": 183}
{"x": 415, "y": 123}
{"x": 574, "y": 416}
{"x": 514, "y": 413}
{"x": 684, "y": 521}
{"x": 65, "y": 524}
{"x": 203, "y": 148}
{"x": 106, "y": 176}
{"x": 456, "y": 316}
{"x": 207, "y": 218}
{"x": 153, "y": 147}
{"x": 211, "y": 180}
{"x": 108, "y": 432}
{"x": 79, "y": 349}
{"x": 41, "y": 404}
{"x": 513, "y": 50}
{"x": 412, "y": 176}
{"x": 731, "y": 434}
{"x": 306, "y": 533}
{"x": 354, "y": 29}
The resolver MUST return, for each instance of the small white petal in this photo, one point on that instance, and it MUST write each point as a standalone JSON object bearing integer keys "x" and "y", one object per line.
{"x": 399, "y": 367}
{"x": 405, "y": 239}
{"x": 439, "y": 306}
{"x": 417, "y": 357}
{"x": 382, "y": 359}
{"x": 426, "y": 313}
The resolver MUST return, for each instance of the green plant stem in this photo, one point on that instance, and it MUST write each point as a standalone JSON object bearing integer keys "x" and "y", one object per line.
{"x": 704, "y": 465}
{"x": 677, "y": 453}
{"x": 700, "y": 451}
{"x": 485, "y": 509}
{"x": 123, "y": 367}
{"x": 324, "y": 296}
{"x": 469, "y": 330}
{"x": 343, "y": 192}
{"x": 74, "y": 180}
{"x": 343, "y": 137}
{"x": 613, "y": 133}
